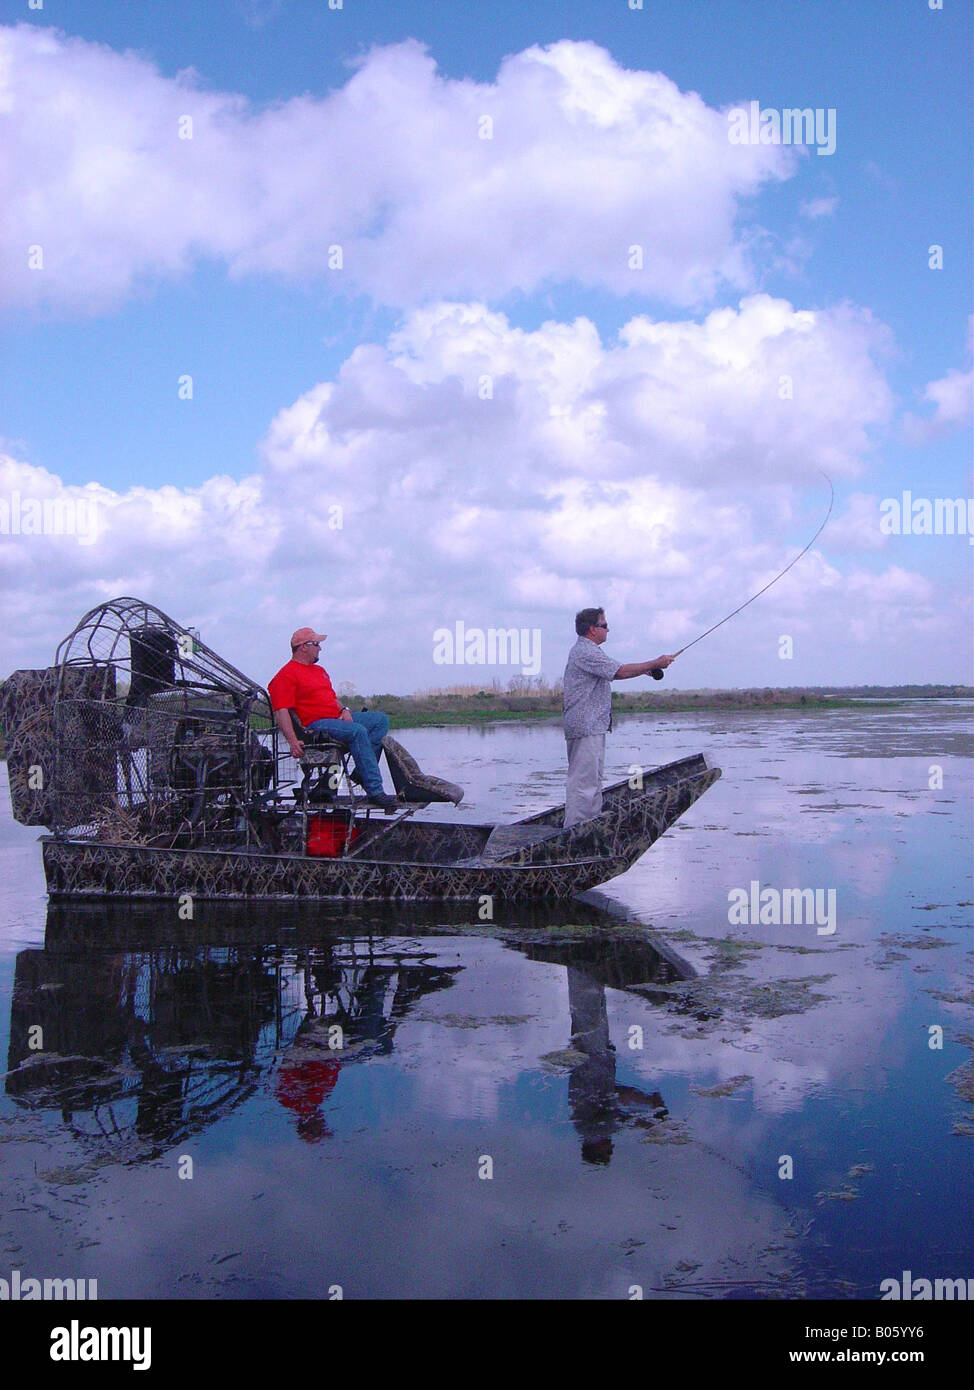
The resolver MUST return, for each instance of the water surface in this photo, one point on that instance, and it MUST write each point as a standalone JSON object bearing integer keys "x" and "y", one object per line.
{"x": 570, "y": 1103}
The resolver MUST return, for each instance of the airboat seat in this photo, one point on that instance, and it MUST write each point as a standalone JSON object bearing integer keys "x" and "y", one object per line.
{"x": 319, "y": 749}
{"x": 411, "y": 783}
{"x": 323, "y": 763}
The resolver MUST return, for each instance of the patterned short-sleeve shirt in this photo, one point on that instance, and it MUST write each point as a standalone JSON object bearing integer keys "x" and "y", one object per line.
{"x": 588, "y": 689}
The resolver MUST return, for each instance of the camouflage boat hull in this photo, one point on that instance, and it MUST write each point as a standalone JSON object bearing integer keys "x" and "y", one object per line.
{"x": 161, "y": 772}
{"x": 413, "y": 861}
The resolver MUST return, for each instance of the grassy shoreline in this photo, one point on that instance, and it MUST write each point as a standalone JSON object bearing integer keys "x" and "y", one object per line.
{"x": 417, "y": 719}
{"x": 406, "y": 712}
{"x": 487, "y": 707}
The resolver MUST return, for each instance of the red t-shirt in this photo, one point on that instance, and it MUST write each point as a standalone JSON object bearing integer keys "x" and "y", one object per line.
{"x": 306, "y": 689}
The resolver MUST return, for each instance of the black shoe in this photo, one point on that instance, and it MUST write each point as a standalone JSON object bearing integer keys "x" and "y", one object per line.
{"x": 385, "y": 803}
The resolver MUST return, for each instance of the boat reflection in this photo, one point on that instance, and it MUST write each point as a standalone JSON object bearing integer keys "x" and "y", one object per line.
{"x": 142, "y": 1030}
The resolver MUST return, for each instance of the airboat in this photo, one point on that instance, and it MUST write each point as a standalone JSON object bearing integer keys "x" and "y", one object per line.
{"x": 159, "y": 773}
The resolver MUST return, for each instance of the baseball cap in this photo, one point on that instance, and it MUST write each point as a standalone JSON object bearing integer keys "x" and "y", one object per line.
{"x": 306, "y": 634}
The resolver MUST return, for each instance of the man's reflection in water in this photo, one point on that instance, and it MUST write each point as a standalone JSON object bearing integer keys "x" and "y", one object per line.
{"x": 354, "y": 1001}
{"x": 147, "y": 1046}
{"x": 150, "y": 1043}
{"x": 355, "y": 998}
{"x": 599, "y": 1106}
{"x": 302, "y": 1087}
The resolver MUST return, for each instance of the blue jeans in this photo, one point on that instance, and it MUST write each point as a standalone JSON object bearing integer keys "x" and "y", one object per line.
{"x": 363, "y": 735}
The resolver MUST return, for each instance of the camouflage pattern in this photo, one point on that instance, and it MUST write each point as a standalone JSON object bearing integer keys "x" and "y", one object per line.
{"x": 420, "y": 861}
{"x": 30, "y": 706}
{"x": 409, "y": 780}
{"x": 156, "y": 785}
{"x": 130, "y": 1076}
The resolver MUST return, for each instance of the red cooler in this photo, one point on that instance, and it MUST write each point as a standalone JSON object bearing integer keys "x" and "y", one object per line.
{"x": 327, "y": 836}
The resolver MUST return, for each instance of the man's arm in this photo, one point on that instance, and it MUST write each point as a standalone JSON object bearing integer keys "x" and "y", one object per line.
{"x": 642, "y": 668}
{"x": 283, "y": 718}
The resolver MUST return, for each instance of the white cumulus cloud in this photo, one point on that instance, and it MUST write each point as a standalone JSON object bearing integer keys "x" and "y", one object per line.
{"x": 466, "y": 469}
{"x": 952, "y": 396}
{"x": 116, "y": 175}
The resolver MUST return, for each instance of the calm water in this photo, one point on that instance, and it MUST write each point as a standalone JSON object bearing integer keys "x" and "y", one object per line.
{"x": 553, "y": 1105}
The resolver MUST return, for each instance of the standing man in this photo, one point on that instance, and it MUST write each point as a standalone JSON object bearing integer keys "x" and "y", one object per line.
{"x": 588, "y": 711}
{"x": 303, "y": 685}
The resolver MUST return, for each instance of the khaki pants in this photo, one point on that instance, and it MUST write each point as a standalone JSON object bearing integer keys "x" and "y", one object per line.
{"x": 583, "y": 793}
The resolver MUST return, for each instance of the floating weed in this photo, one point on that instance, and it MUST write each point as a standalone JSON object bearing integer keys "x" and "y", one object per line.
{"x": 667, "y": 1132}
{"x": 566, "y": 1060}
{"x": 723, "y": 1088}
{"x": 838, "y": 1194}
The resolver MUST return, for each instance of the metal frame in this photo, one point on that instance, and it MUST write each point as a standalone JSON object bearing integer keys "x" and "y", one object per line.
{"x": 153, "y": 735}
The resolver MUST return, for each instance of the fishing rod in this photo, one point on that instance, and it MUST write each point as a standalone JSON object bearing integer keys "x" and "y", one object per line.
{"x": 657, "y": 673}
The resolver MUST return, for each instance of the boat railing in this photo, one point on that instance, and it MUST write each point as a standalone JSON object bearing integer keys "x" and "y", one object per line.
{"x": 168, "y": 768}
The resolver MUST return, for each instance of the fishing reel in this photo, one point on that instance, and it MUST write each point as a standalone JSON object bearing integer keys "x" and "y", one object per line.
{"x": 656, "y": 673}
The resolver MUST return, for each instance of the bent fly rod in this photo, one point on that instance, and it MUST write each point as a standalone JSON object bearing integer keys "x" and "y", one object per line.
{"x": 657, "y": 673}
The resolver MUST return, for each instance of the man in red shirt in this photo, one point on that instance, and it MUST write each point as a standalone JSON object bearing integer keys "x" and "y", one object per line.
{"x": 303, "y": 685}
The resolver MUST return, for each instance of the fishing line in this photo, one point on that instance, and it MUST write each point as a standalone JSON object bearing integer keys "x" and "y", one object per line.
{"x": 658, "y": 674}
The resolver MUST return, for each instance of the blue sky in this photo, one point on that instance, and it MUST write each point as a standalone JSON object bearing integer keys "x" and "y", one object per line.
{"x": 90, "y": 367}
